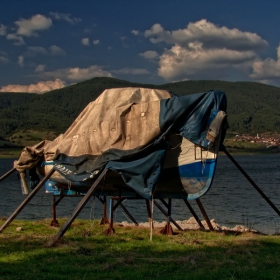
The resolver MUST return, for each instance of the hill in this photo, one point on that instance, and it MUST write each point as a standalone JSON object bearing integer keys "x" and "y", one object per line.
{"x": 252, "y": 107}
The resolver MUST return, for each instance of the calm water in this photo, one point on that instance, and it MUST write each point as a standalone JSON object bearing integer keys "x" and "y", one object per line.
{"x": 231, "y": 200}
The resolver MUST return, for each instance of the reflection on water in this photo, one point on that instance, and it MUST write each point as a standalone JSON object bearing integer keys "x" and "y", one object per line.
{"x": 231, "y": 200}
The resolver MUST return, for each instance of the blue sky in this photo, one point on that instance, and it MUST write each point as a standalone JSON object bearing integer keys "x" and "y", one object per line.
{"x": 50, "y": 44}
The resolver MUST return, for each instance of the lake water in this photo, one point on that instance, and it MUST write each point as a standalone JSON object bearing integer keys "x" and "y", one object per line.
{"x": 231, "y": 200}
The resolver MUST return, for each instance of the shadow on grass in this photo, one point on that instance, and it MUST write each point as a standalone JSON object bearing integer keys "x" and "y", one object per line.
{"x": 86, "y": 253}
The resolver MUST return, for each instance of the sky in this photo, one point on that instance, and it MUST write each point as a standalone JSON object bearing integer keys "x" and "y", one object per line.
{"x": 45, "y": 45}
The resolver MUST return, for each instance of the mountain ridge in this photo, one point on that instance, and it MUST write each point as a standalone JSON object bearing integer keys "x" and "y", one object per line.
{"x": 252, "y": 107}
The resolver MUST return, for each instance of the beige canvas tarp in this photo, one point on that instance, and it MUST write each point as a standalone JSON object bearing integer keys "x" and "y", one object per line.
{"x": 122, "y": 118}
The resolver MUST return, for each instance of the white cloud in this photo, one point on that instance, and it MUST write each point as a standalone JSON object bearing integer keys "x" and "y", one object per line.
{"x": 268, "y": 69}
{"x": 3, "y": 30}
{"x": 196, "y": 62}
{"x": 204, "y": 50}
{"x": 37, "y": 50}
{"x": 135, "y": 32}
{"x": 39, "y": 68}
{"x": 3, "y": 59}
{"x": 150, "y": 55}
{"x": 55, "y": 50}
{"x": 132, "y": 71}
{"x": 40, "y": 87}
{"x": 18, "y": 39}
{"x": 34, "y": 50}
{"x": 28, "y": 27}
{"x": 87, "y": 30}
{"x": 21, "y": 61}
{"x": 78, "y": 74}
{"x": 66, "y": 17}
{"x": 96, "y": 42}
{"x": 209, "y": 34}
{"x": 85, "y": 41}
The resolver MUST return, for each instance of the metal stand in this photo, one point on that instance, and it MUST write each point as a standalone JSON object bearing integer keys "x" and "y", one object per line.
{"x": 27, "y": 199}
{"x": 126, "y": 211}
{"x": 78, "y": 209}
{"x": 167, "y": 230}
{"x": 194, "y": 214}
{"x": 54, "y": 222}
{"x": 104, "y": 219}
{"x": 166, "y": 214}
{"x": 111, "y": 230}
{"x": 204, "y": 214}
{"x": 251, "y": 181}
{"x": 7, "y": 174}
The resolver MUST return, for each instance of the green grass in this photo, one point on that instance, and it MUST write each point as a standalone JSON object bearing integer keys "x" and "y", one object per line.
{"x": 86, "y": 253}
{"x": 10, "y": 153}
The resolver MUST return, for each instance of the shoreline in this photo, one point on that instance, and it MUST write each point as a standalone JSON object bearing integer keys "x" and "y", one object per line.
{"x": 191, "y": 224}
{"x": 15, "y": 154}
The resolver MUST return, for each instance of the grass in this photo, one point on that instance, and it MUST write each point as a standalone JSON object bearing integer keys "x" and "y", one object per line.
{"x": 10, "y": 153}
{"x": 86, "y": 253}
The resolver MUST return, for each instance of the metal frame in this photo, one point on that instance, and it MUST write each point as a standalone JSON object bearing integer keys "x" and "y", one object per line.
{"x": 166, "y": 230}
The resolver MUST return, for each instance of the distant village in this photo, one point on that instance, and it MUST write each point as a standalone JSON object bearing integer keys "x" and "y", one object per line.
{"x": 268, "y": 141}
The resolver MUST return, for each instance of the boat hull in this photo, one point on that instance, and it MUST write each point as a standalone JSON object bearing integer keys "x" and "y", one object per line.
{"x": 187, "y": 173}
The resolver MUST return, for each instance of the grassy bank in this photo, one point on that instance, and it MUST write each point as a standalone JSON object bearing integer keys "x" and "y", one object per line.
{"x": 86, "y": 253}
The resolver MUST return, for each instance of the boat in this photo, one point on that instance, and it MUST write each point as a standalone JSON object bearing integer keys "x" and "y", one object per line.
{"x": 153, "y": 143}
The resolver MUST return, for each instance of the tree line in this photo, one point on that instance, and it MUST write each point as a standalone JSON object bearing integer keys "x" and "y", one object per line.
{"x": 252, "y": 107}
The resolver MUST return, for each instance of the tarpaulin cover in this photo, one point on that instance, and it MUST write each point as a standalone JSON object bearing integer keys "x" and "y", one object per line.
{"x": 124, "y": 129}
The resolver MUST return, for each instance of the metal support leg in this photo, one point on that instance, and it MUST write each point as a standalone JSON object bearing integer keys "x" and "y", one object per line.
{"x": 194, "y": 214}
{"x": 111, "y": 230}
{"x": 166, "y": 214}
{"x": 204, "y": 214}
{"x": 54, "y": 222}
{"x": 104, "y": 219}
{"x": 128, "y": 214}
{"x": 167, "y": 230}
{"x": 27, "y": 199}
{"x": 119, "y": 203}
{"x": 78, "y": 209}
{"x": 7, "y": 174}
{"x": 251, "y": 181}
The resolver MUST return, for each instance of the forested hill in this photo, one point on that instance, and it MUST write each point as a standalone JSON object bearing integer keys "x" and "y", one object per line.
{"x": 252, "y": 107}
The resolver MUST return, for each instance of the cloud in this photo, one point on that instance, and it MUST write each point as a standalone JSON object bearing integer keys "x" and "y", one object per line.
{"x": 21, "y": 61}
{"x": 37, "y": 50}
{"x": 34, "y": 50}
{"x": 55, "y": 50}
{"x": 86, "y": 30}
{"x": 40, "y": 87}
{"x": 3, "y": 30}
{"x": 204, "y": 50}
{"x": 196, "y": 62}
{"x": 268, "y": 69}
{"x": 150, "y": 55}
{"x": 3, "y": 59}
{"x": 39, "y": 68}
{"x": 132, "y": 71}
{"x": 78, "y": 74}
{"x": 66, "y": 17}
{"x": 96, "y": 42}
{"x": 85, "y": 41}
{"x": 209, "y": 34}
{"x": 18, "y": 39}
{"x": 135, "y": 32}
{"x": 28, "y": 27}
